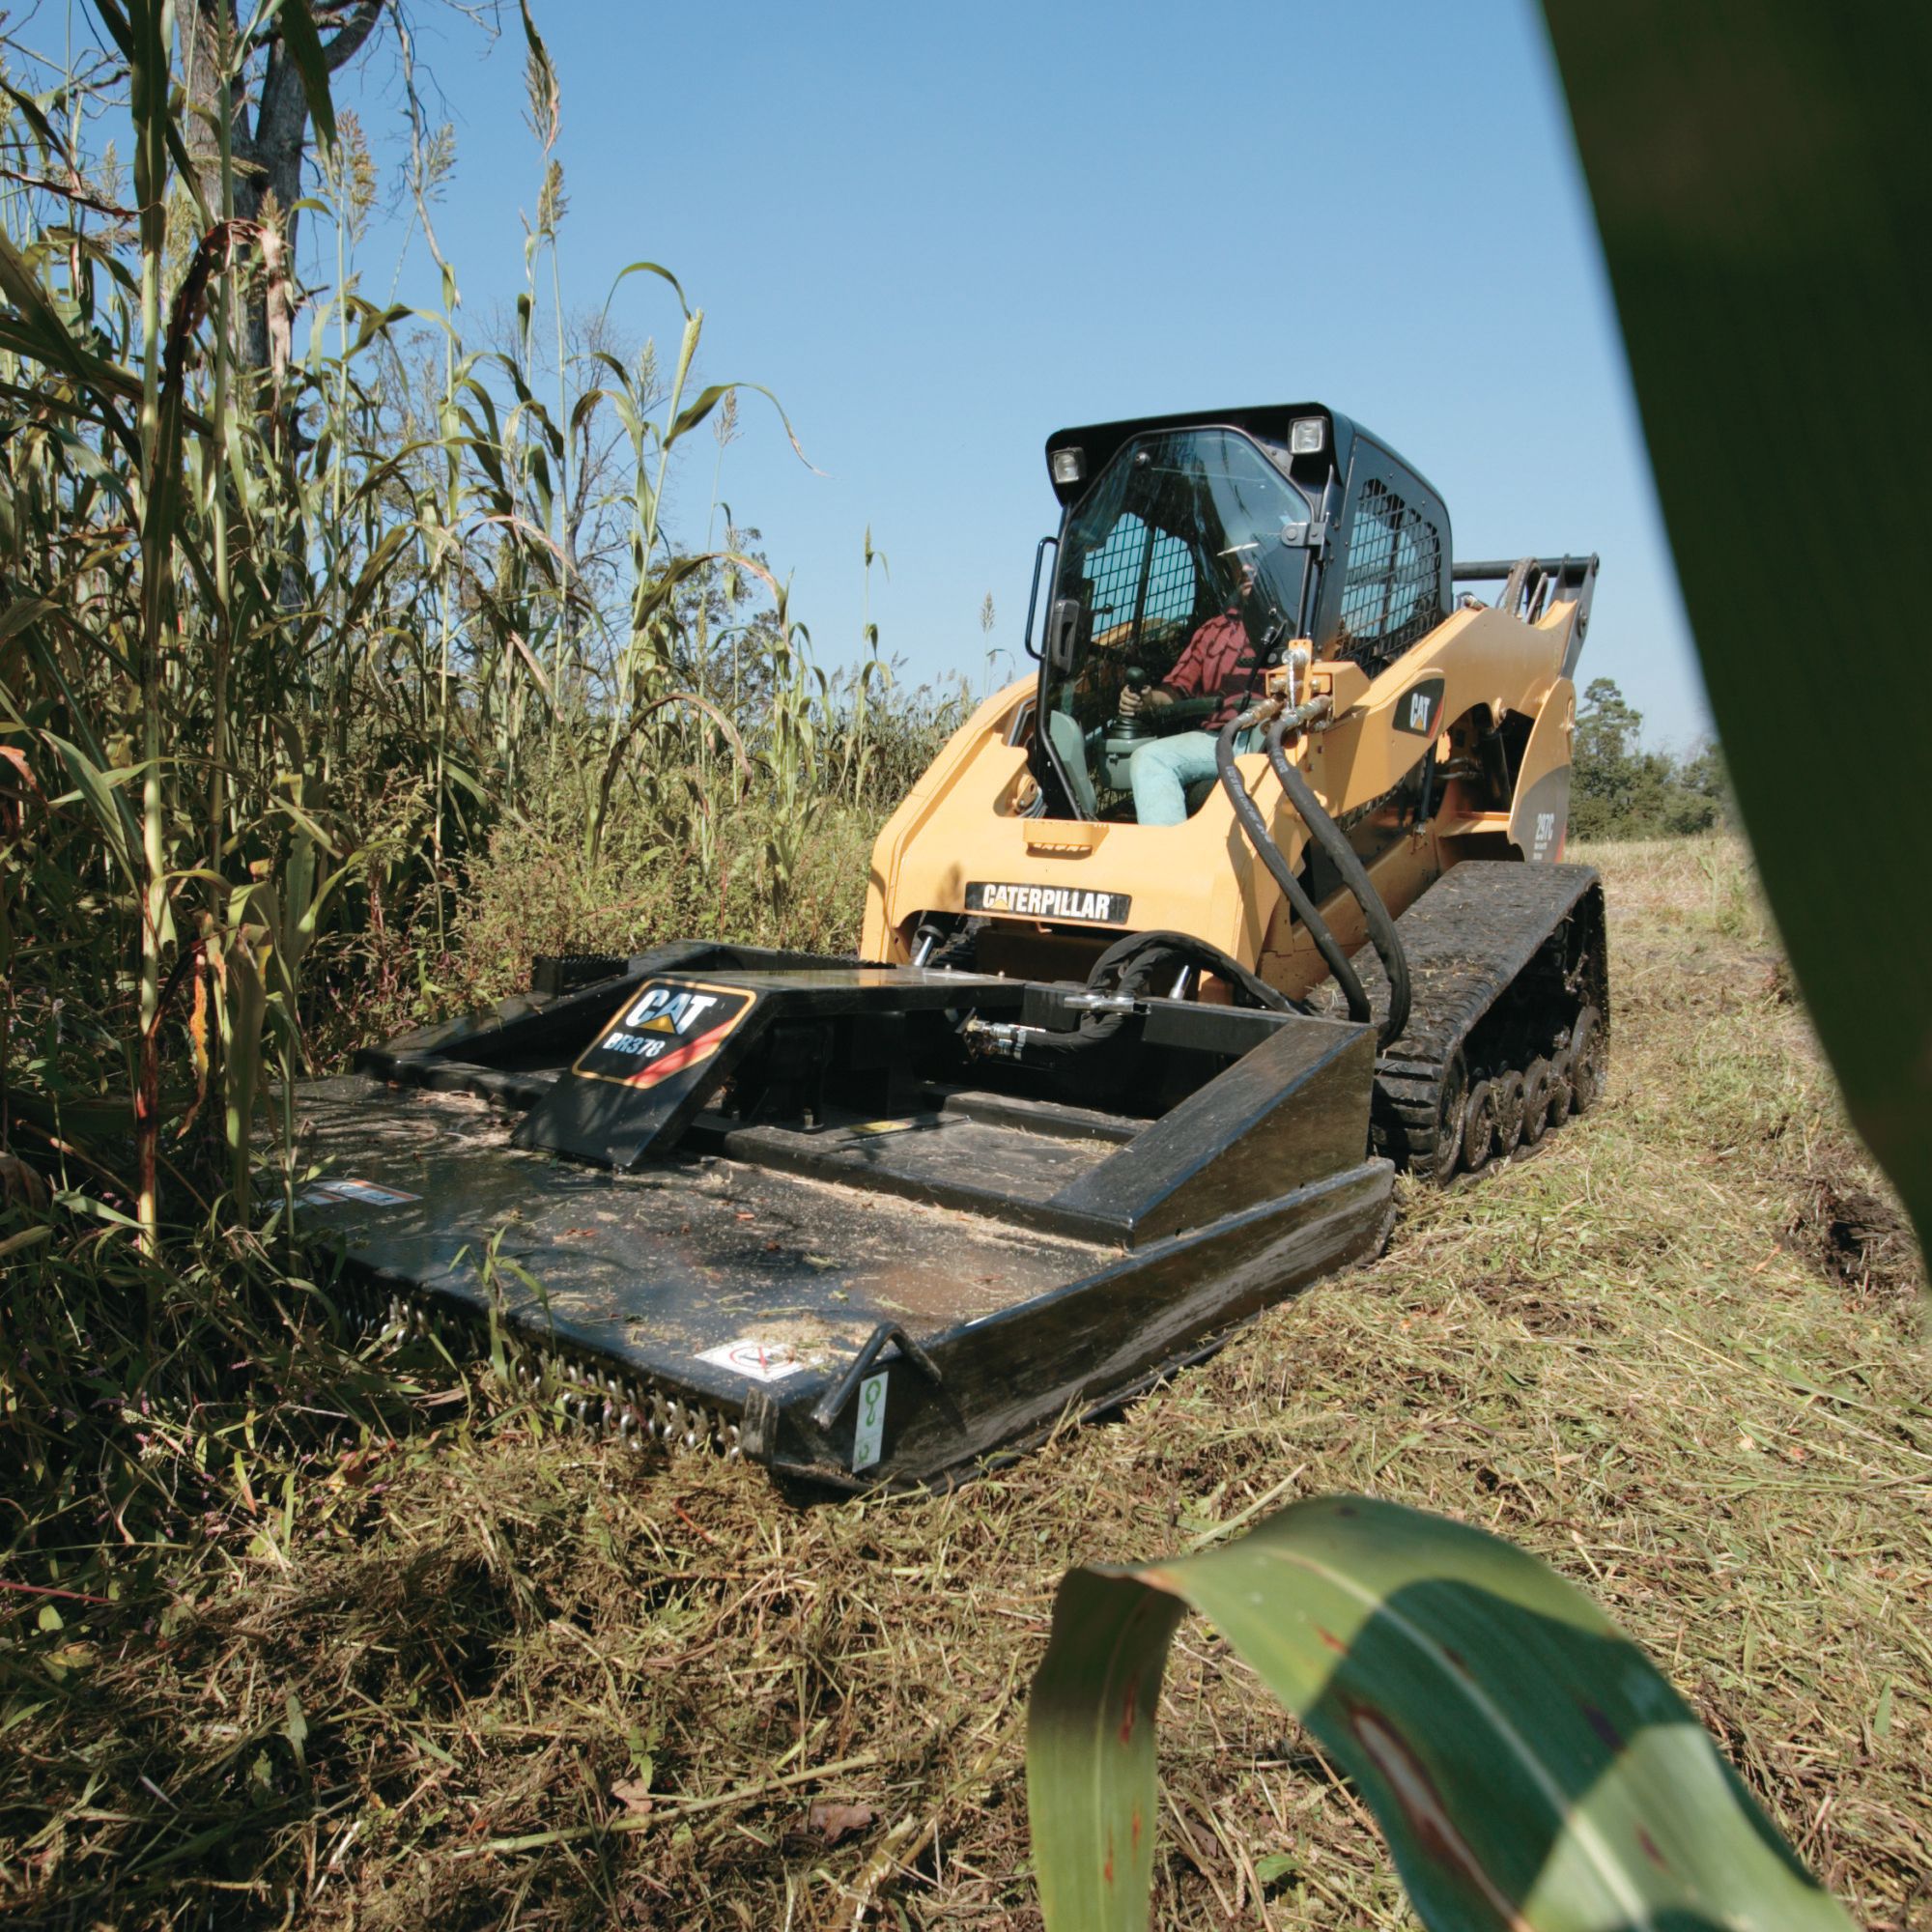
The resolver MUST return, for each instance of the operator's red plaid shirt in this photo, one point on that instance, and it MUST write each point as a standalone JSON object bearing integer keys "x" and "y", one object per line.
{"x": 1213, "y": 665}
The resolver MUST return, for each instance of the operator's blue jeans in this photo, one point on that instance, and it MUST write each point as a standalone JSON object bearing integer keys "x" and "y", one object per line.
{"x": 1163, "y": 768}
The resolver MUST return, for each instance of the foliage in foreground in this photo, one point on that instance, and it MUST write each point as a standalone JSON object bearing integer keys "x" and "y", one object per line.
{"x": 1808, "y": 146}
{"x": 1526, "y": 1764}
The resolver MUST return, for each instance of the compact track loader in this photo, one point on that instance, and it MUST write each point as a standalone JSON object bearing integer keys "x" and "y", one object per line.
{"x": 1251, "y": 896}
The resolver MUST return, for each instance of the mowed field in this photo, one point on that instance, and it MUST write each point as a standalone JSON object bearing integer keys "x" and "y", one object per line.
{"x": 493, "y": 1674}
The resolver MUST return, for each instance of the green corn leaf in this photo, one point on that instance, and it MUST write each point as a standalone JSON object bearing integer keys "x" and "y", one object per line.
{"x": 102, "y": 792}
{"x": 16, "y": 617}
{"x": 1529, "y": 1765}
{"x": 36, "y": 330}
{"x": 619, "y": 373}
{"x": 1754, "y": 182}
{"x": 584, "y": 407}
{"x": 305, "y": 47}
{"x": 29, "y": 111}
{"x": 664, "y": 274}
{"x": 372, "y": 322}
{"x": 689, "y": 419}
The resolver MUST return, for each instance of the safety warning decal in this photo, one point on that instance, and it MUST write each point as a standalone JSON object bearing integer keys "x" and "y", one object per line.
{"x": 1073, "y": 902}
{"x": 868, "y": 1431}
{"x": 670, "y": 1025}
{"x": 762, "y": 1361}
{"x": 324, "y": 1193}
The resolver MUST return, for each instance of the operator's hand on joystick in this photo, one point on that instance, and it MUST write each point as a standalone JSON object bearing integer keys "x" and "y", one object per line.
{"x": 1136, "y": 696}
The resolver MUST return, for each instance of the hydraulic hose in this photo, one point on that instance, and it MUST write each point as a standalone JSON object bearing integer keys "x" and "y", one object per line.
{"x": 1131, "y": 958}
{"x": 1282, "y": 873}
{"x": 1344, "y": 857}
{"x": 1126, "y": 965}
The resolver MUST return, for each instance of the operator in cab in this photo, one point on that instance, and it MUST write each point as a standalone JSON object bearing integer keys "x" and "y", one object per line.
{"x": 1217, "y": 672}
{"x": 1175, "y": 568}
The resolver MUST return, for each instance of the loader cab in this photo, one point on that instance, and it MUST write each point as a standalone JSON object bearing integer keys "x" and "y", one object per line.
{"x": 1191, "y": 552}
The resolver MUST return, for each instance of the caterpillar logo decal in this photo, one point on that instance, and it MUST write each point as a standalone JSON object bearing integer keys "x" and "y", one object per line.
{"x": 1418, "y": 711}
{"x": 1071, "y": 902}
{"x": 668, "y": 1026}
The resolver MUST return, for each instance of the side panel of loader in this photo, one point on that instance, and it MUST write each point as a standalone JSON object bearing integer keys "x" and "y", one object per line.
{"x": 1539, "y": 825}
{"x": 964, "y": 826}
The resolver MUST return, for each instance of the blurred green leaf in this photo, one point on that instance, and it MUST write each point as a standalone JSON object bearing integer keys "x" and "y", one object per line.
{"x": 1760, "y": 185}
{"x": 1527, "y": 1765}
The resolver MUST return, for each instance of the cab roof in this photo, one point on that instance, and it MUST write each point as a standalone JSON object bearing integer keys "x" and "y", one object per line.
{"x": 1266, "y": 422}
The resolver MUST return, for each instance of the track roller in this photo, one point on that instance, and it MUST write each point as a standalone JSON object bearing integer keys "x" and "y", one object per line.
{"x": 1509, "y": 1113}
{"x": 1562, "y": 1087}
{"x": 1449, "y": 1123}
{"x": 1586, "y": 1061}
{"x": 1479, "y": 1126}
{"x": 1535, "y": 1100}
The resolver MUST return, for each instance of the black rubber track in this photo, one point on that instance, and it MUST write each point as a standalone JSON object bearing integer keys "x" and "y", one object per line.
{"x": 1502, "y": 955}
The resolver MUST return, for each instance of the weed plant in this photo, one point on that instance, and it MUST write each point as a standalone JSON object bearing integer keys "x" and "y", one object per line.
{"x": 346, "y": 661}
{"x": 310, "y": 665}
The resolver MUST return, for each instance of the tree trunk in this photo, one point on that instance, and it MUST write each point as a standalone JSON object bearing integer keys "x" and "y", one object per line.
{"x": 270, "y": 117}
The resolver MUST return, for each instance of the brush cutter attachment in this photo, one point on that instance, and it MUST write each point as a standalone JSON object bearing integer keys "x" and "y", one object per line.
{"x": 860, "y": 1225}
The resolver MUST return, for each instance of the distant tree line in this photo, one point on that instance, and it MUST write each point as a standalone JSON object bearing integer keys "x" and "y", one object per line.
{"x": 1620, "y": 790}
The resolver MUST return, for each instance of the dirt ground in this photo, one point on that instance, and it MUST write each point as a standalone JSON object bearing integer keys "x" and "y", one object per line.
{"x": 496, "y": 1676}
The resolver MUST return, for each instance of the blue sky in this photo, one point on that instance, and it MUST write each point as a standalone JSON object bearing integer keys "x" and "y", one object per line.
{"x": 939, "y": 233}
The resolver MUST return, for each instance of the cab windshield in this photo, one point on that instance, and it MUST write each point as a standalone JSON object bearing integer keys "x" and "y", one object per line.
{"x": 1172, "y": 592}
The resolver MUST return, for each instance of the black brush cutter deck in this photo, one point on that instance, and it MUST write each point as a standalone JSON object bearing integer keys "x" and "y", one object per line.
{"x": 822, "y": 1217}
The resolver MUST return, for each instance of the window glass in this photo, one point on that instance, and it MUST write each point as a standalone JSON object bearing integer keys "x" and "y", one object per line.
{"x": 1392, "y": 582}
{"x": 1140, "y": 583}
{"x": 1179, "y": 540}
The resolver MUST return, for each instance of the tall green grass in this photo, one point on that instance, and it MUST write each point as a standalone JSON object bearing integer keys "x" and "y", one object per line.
{"x": 290, "y": 656}
{"x": 330, "y": 690}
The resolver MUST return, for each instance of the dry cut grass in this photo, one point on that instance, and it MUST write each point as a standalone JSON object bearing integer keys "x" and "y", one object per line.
{"x": 492, "y": 1676}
